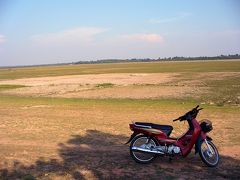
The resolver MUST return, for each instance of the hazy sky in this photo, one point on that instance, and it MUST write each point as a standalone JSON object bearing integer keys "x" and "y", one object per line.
{"x": 53, "y": 31}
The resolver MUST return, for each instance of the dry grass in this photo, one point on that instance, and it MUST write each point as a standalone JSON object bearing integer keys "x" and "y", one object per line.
{"x": 53, "y": 138}
{"x": 215, "y": 87}
{"x": 151, "y": 67}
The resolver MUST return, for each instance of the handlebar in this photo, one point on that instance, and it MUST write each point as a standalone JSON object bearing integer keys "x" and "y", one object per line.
{"x": 189, "y": 115}
{"x": 175, "y": 119}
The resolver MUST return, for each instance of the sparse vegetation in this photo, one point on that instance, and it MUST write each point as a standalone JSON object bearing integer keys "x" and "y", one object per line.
{"x": 10, "y": 86}
{"x": 152, "y": 67}
{"x": 83, "y": 138}
{"x": 224, "y": 91}
{"x": 104, "y": 85}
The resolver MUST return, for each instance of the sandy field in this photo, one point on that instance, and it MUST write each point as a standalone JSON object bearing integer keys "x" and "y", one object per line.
{"x": 82, "y": 134}
{"x": 119, "y": 85}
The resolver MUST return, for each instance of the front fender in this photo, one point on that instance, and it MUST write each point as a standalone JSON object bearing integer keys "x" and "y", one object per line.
{"x": 197, "y": 143}
{"x": 209, "y": 138}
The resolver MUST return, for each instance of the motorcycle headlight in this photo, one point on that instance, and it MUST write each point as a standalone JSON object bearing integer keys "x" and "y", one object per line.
{"x": 206, "y": 125}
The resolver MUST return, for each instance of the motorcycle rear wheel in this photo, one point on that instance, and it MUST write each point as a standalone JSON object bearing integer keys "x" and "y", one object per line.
{"x": 143, "y": 141}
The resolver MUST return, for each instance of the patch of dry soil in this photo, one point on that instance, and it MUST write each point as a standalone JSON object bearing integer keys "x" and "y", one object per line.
{"x": 127, "y": 85}
{"x": 118, "y": 78}
{"x": 135, "y": 92}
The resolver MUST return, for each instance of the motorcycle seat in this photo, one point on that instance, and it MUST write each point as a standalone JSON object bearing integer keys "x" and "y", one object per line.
{"x": 167, "y": 129}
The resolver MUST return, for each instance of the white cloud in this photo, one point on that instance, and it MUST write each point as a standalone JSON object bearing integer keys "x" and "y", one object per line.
{"x": 2, "y": 39}
{"x": 70, "y": 36}
{"x": 151, "y": 38}
{"x": 170, "y": 19}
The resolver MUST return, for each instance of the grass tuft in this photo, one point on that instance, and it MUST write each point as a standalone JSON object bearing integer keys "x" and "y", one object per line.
{"x": 104, "y": 85}
{"x": 10, "y": 86}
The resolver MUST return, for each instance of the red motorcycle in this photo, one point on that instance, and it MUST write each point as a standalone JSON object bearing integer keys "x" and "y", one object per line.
{"x": 149, "y": 140}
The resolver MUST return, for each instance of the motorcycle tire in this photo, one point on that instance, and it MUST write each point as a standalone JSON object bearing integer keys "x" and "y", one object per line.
{"x": 142, "y": 157}
{"x": 210, "y": 159}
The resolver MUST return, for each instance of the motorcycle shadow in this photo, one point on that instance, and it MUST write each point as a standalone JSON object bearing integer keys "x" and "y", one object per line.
{"x": 99, "y": 155}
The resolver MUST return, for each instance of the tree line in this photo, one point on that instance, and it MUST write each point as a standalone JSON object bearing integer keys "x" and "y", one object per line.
{"x": 175, "y": 58}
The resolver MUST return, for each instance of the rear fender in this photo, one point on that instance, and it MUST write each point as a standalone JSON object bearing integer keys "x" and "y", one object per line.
{"x": 199, "y": 139}
{"x": 136, "y": 133}
{"x": 132, "y": 136}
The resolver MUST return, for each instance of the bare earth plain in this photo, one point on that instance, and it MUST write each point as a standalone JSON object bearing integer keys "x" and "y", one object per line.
{"x": 73, "y": 126}
{"x": 124, "y": 85}
{"x": 117, "y": 85}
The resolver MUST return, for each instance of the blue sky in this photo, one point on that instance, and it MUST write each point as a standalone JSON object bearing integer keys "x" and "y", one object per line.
{"x": 54, "y": 31}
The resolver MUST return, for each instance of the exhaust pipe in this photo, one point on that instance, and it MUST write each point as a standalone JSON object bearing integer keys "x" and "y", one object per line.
{"x": 138, "y": 149}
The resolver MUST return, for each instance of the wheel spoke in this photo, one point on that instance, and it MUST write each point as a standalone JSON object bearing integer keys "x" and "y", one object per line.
{"x": 209, "y": 153}
{"x": 146, "y": 143}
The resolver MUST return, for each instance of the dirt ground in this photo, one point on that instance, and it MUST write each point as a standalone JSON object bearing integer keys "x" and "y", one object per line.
{"x": 98, "y": 155}
{"x": 116, "y": 78}
{"x": 62, "y": 138}
{"x": 120, "y": 86}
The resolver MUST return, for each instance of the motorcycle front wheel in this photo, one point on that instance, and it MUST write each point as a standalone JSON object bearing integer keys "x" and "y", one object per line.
{"x": 142, "y": 141}
{"x": 209, "y": 153}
